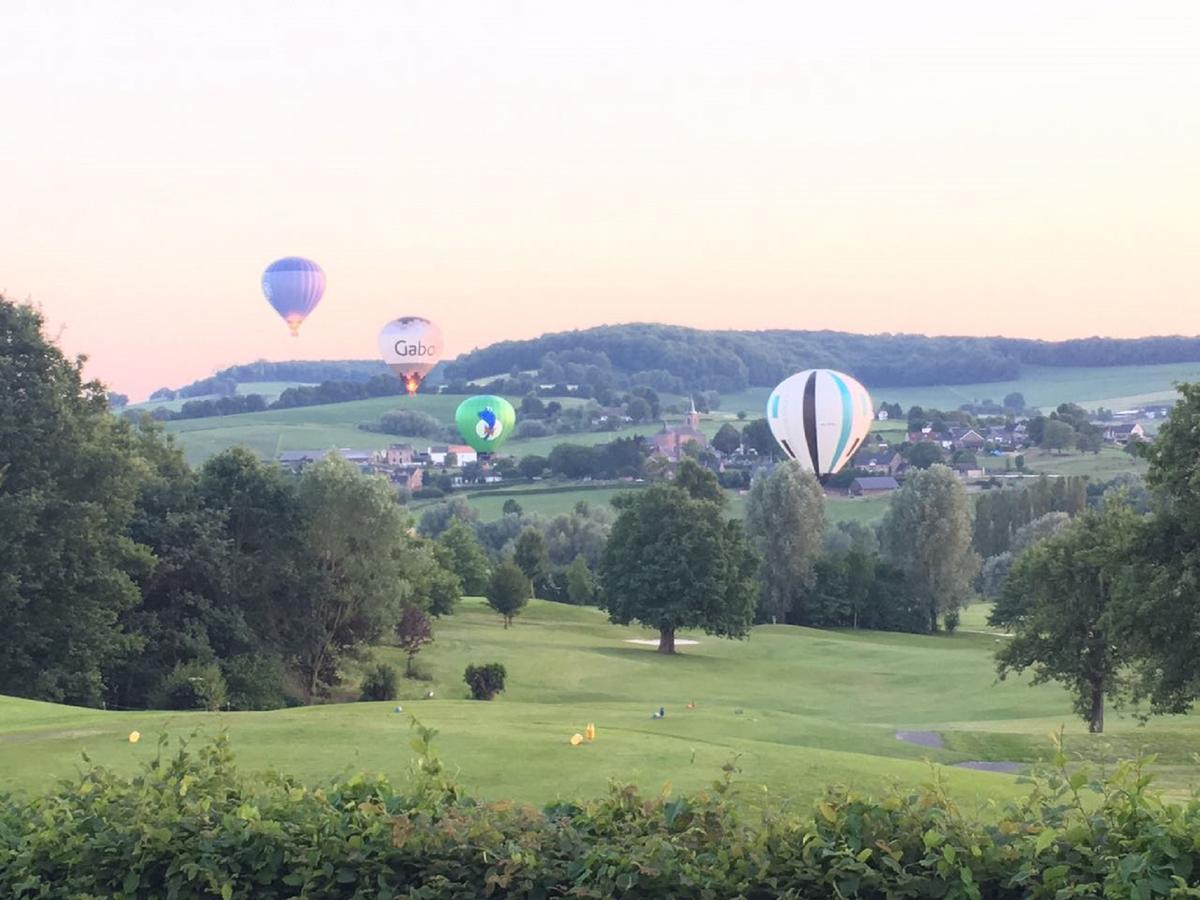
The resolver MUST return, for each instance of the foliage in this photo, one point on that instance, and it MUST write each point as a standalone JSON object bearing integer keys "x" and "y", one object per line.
{"x": 192, "y": 686}
{"x": 1061, "y": 599}
{"x": 581, "y": 583}
{"x": 925, "y": 454}
{"x": 413, "y": 631}
{"x": 926, "y": 533}
{"x": 674, "y": 561}
{"x": 409, "y": 423}
{"x": 1000, "y": 514}
{"x": 485, "y": 681}
{"x": 530, "y": 556}
{"x": 785, "y": 518}
{"x": 727, "y": 439}
{"x": 1058, "y": 436}
{"x": 358, "y": 550}
{"x": 461, "y": 550}
{"x": 191, "y": 825}
{"x": 379, "y": 683}
{"x": 254, "y": 681}
{"x": 437, "y": 519}
{"x": 69, "y": 476}
{"x": 508, "y": 591}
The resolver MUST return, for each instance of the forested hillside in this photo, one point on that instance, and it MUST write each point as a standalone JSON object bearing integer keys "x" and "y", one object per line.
{"x": 676, "y": 359}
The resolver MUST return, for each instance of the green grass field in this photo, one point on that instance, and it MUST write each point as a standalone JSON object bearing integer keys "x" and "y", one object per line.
{"x": 1114, "y": 387}
{"x": 799, "y": 708}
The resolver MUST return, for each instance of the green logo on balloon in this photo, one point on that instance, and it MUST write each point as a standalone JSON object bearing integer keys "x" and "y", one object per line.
{"x": 485, "y": 422}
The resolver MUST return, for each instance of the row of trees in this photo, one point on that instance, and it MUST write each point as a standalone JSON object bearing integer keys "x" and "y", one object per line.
{"x": 128, "y": 579}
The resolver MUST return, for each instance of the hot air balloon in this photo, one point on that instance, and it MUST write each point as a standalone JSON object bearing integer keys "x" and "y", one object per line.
{"x": 411, "y": 347}
{"x": 294, "y": 287}
{"x": 820, "y": 418}
{"x": 485, "y": 422}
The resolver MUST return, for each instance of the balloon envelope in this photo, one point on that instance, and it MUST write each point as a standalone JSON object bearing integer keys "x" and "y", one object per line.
{"x": 820, "y": 418}
{"x": 294, "y": 287}
{"x": 411, "y": 346}
{"x": 485, "y": 422}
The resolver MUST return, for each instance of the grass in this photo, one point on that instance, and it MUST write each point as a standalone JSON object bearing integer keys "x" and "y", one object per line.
{"x": 1114, "y": 387}
{"x": 799, "y": 708}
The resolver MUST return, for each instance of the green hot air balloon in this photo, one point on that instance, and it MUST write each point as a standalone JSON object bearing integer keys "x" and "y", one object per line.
{"x": 485, "y": 422}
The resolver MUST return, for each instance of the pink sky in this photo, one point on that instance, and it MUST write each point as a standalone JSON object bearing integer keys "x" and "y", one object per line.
{"x": 1024, "y": 168}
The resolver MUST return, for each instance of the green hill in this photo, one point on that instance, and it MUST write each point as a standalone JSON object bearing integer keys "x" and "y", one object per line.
{"x": 799, "y": 708}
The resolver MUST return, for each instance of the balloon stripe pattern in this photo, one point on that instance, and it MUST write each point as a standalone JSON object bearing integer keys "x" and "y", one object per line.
{"x": 820, "y": 418}
{"x": 294, "y": 287}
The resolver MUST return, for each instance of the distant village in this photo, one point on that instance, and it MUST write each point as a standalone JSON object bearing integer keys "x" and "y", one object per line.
{"x": 878, "y": 468}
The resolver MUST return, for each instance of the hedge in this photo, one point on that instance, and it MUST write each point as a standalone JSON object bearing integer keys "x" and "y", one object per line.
{"x": 190, "y": 826}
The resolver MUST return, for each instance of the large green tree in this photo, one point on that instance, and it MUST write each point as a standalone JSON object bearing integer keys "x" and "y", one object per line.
{"x": 785, "y": 517}
{"x": 676, "y": 561}
{"x": 69, "y": 475}
{"x": 1063, "y": 601}
{"x": 926, "y": 532}
{"x": 358, "y": 551}
{"x": 466, "y": 557}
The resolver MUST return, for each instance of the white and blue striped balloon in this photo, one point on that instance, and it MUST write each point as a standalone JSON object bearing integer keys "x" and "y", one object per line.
{"x": 293, "y": 286}
{"x": 820, "y": 418}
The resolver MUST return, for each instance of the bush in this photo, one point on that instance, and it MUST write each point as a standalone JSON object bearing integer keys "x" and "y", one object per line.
{"x": 254, "y": 681}
{"x": 379, "y": 683}
{"x": 485, "y": 681}
{"x": 428, "y": 493}
{"x": 193, "y": 826}
{"x": 191, "y": 686}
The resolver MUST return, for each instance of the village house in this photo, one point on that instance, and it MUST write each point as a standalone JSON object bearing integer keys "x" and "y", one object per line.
{"x": 671, "y": 440}
{"x": 878, "y": 461}
{"x": 400, "y": 454}
{"x": 296, "y": 460}
{"x": 1124, "y": 433}
{"x": 966, "y": 439}
{"x": 868, "y": 485}
{"x": 462, "y": 454}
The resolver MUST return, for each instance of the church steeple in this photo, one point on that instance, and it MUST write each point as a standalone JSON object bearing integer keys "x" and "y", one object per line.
{"x": 693, "y": 417}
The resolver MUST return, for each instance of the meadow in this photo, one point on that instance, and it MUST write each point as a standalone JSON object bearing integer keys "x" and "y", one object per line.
{"x": 1113, "y": 387}
{"x": 796, "y": 708}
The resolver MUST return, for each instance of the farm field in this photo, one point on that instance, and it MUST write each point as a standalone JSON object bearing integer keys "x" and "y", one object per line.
{"x": 1114, "y": 387}
{"x": 799, "y": 708}
{"x": 1102, "y": 466}
{"x": 554, "y": 500}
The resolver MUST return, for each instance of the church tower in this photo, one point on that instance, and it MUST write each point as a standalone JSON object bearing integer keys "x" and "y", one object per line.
{"x": 693, "y": 417}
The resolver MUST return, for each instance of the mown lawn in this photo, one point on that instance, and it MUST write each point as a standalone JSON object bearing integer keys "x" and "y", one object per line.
{"x": 797, "y": 708}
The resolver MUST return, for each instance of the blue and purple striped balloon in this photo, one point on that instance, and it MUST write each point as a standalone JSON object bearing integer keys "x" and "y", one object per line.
{"x": 294, "y": 287}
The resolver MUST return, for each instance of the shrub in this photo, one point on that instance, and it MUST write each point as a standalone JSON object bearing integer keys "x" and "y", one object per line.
{"x": 191, "y": 826}
{"x": 428, "y": 493}
{"x": 485, "y": 681}
{"x": 254, "y": 681}
{"x": 379, "y": 683}
{"x": 191, "y": 686}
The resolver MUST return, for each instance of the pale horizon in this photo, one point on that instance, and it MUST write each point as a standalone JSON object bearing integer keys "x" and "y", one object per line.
{"x": 509, "y": 170}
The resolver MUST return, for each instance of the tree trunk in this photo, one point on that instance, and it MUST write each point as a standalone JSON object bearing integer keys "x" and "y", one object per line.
{"x": 933, "y": 618}
{"x": 1096, "y": 720}
{"x": 507, "y": 619}
{"x": 666, "y": 639}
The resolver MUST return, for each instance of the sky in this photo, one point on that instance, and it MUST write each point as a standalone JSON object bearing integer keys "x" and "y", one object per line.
{"x": 511, "y": 168}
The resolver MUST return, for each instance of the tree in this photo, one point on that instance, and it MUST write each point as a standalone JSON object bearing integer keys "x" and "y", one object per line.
{"x": 530, "y": 556}
{"x": 727, "y": 440}
{"x": 674, "y": 561}
{"x": 355, "y": 538}
{"x": 532, "y": 466}
{"x": 465, "y": 557}
{"x": 638, "y": 409}
{"x": 1061, "y": 600}
{"x": 508, "y": 591}
{"x": 785, "y": 518}
{"x": 69, "y": 476}
{"x": 436, "y": 519}
{"x": 699, "y": 482}
{"x": 926, "y": 532}
{"x": 485, "y": 681}
{"x": 757, "y": 436}
{"x": 581, "y": 585}
{"x": 925, "y": 454}
{"x": 413, "y": 631}
{"x": 1057, "y": 436}
{"x": 511, "y": 507}
{"x": 1014, "y": 401}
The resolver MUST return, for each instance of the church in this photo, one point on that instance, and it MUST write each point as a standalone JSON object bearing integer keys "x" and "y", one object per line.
{"x": 672, "y": 439}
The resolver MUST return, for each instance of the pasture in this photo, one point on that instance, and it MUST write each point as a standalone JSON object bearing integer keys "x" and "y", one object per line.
{"x": 797, "y": 708}
{"x": 1114, "y": 387}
